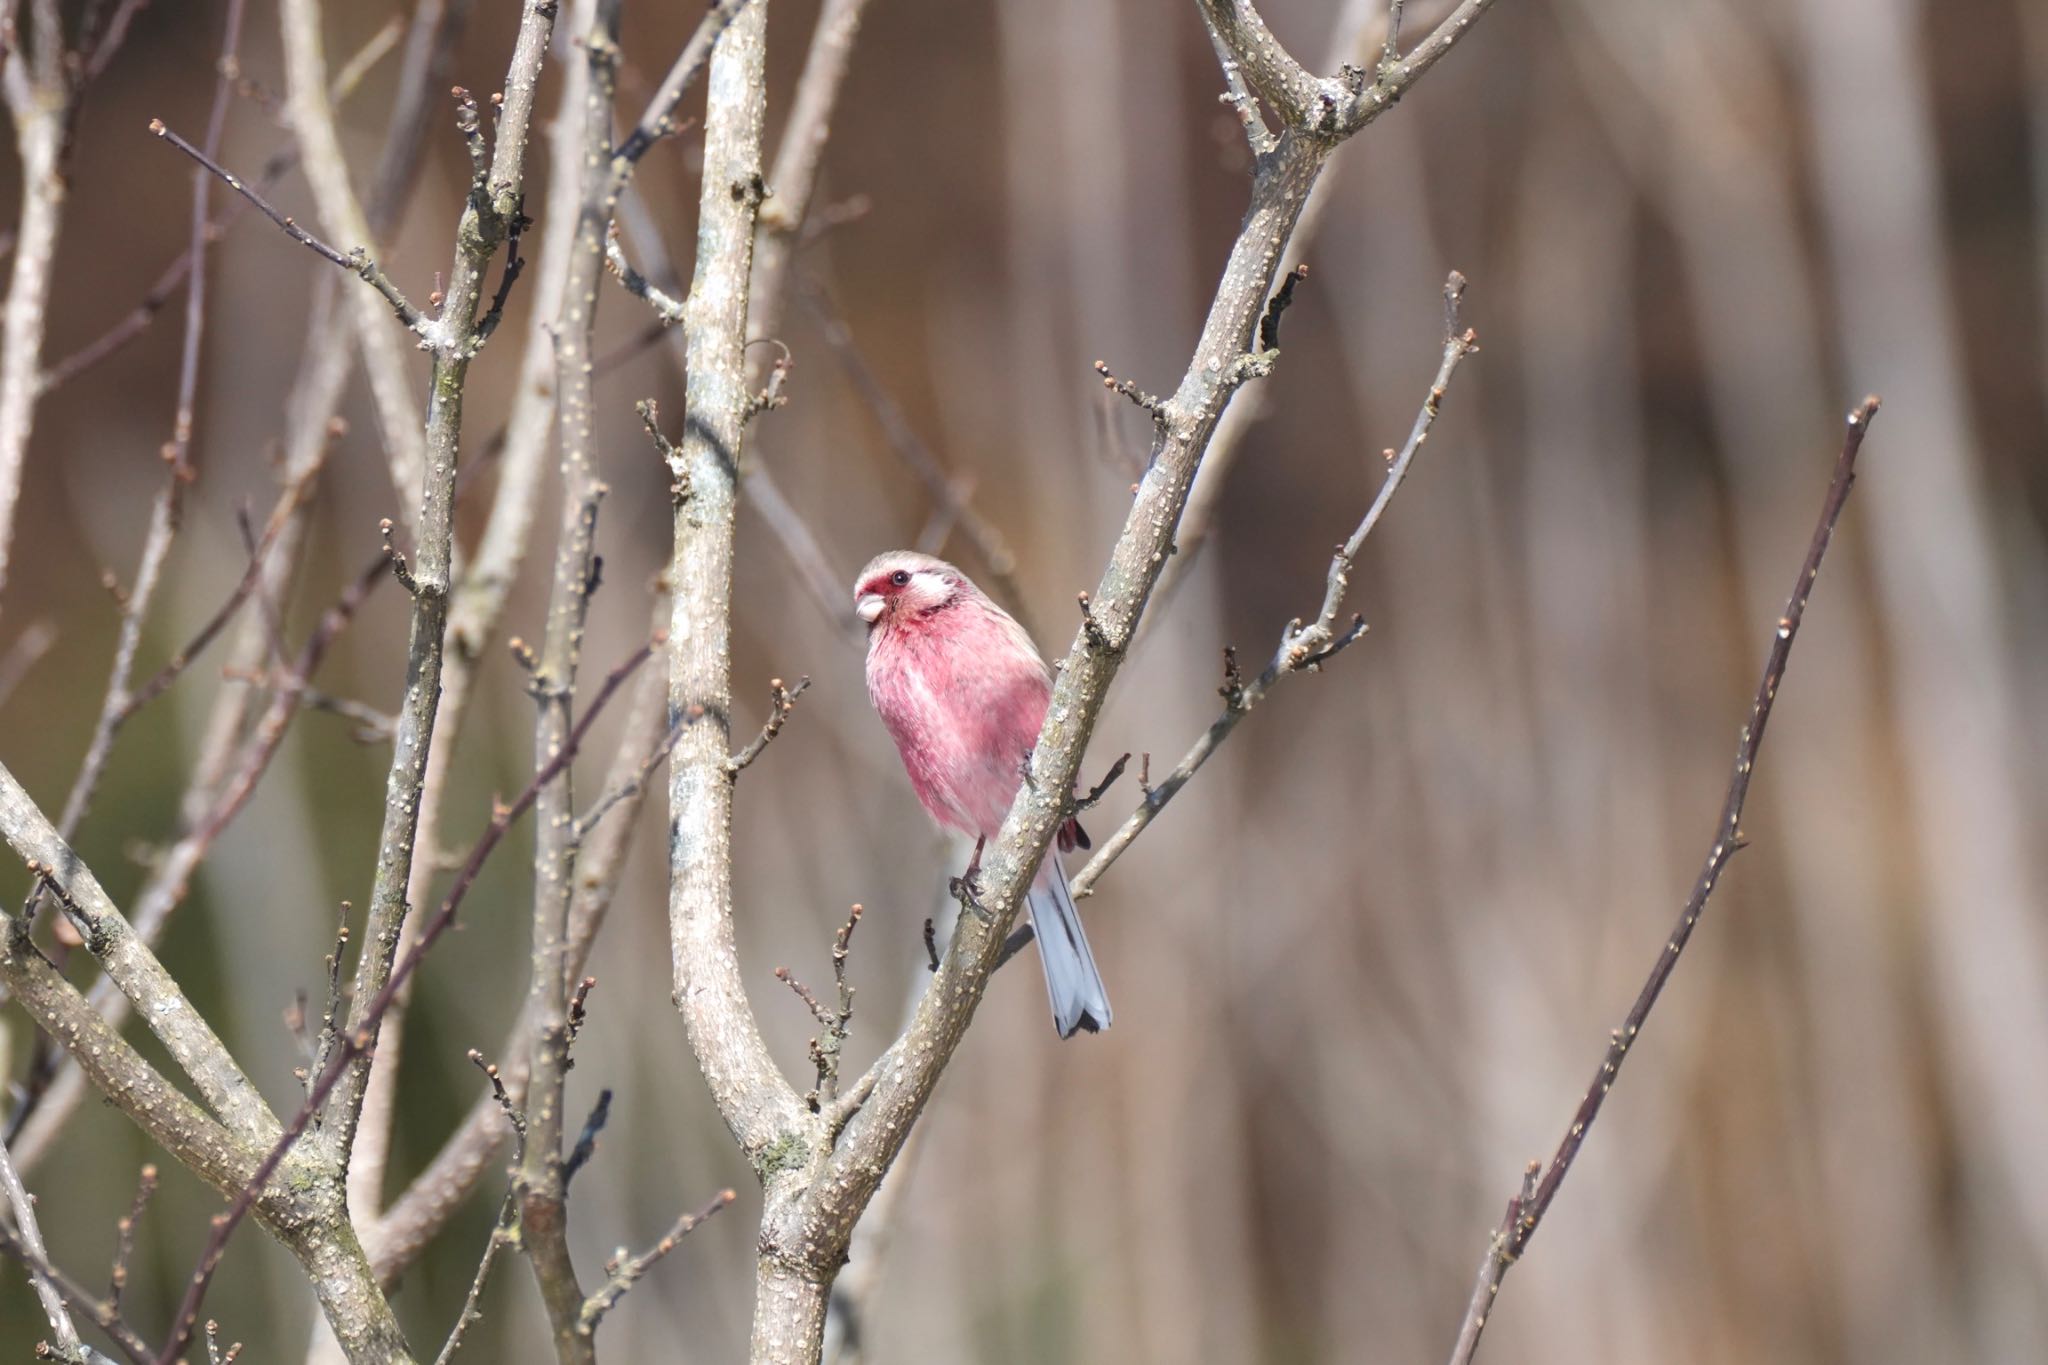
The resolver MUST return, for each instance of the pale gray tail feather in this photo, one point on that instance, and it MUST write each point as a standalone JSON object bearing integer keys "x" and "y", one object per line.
{"x": 1079, "y": 999}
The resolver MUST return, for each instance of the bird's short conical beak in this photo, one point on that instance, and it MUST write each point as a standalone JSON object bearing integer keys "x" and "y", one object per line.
{"x": 869, "y": 607}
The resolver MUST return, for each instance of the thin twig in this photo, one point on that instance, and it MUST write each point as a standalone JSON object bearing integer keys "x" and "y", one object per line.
{"x": 624, "y": 1271}
{"x": 781, "y": 701}
{"x": 30, "y": 1235}
{"x": 124, "y": 1236}
{"x": 78, "y": 1298}
{"x": 667, "y": 307}
{"x": 357, "y": 262}
{"x": 1526, "y": 1210}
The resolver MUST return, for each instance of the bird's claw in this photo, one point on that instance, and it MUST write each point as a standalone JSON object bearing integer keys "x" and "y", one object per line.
{"x": 967, "y": 890}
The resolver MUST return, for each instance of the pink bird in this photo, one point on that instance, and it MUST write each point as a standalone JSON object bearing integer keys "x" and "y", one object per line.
{"x": 963, "y": 692}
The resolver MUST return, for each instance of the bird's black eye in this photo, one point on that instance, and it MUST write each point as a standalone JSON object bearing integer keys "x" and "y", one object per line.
{"x": 901, "y": 578}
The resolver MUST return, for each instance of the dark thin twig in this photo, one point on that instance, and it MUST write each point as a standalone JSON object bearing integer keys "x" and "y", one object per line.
{"x": 1527, "y": 1208}
{"x": 826, "y": 1047}
{"x": 357, "y": 262}
{"x": 355, "y": 1044}
{"x": 586, "y": 1141}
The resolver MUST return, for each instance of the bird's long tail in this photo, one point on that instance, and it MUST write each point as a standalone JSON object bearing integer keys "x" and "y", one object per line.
{"x": 1079, "y": 999}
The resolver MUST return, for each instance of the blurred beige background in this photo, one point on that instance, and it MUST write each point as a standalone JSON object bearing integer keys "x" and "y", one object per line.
{"x": 1365, "y": 964}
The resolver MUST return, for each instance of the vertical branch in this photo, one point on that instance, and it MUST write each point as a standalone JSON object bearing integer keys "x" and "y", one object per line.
{"x": 117, "y": 703}
{"x": 756, "y": 1101}
{"x": 541, "y": 1181}
{"x": 40, "y": 102}
{"x": 480, "y": 590}
{"x": 487, "y": 219}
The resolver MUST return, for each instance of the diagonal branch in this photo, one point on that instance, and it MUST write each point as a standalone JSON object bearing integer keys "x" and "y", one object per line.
{"x": 130, "y": 964}
{"x": 1527, "y": 1208}
{"x": 1302, "y": 648}
{"x": 18, "y": 1201}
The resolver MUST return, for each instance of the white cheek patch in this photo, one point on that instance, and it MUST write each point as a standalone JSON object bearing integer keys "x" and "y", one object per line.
{"x": 869, "y": 607}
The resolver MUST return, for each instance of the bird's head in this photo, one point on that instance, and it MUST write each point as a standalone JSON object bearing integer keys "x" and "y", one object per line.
{"x": 903, "y": 585}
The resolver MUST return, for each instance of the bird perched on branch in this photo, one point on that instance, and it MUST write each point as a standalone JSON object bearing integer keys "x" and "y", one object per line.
{"x": 963, "y": 692}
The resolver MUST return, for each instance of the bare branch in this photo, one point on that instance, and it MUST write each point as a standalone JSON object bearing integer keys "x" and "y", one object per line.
{"x": 625, "y": 1271}
{"x": 540, "y": 1181}
{"x": 359, "y": 1038}
{"x": 115, "y": 1068}
{"x": 756, "y": 1101}
{"x": 30, "y": 1236}
{"x": 130, "y": 964}
{"x": 1302, "y": 648}
{"x": 357, "y": 262}
{"x": 40, "y": 102}
{"x": 485, "y": 224}
{"x": 124, "y": 1236}
{"x": 479, "y": 592}
{"x": 1526, "y": 1210}
{"x": 666, "y": 306}
{"x": 1251, "y": 52}
{"x": 103, "y": 1316}
{"x": 781, "y": 701}
{"x": 464, "y": 1158}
